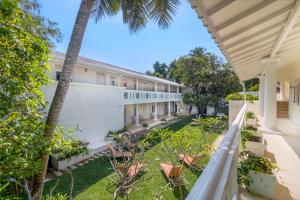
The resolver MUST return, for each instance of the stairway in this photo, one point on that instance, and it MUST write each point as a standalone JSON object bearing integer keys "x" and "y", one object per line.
{"x": 282, "y": 109}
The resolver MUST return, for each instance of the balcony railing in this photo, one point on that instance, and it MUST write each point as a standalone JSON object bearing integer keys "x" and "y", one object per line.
{"x": 138, "y": 96}
{"x": 219, "y": 178}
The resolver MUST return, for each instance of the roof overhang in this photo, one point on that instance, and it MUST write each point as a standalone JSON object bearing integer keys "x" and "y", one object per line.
{"x": 249, "y": 31}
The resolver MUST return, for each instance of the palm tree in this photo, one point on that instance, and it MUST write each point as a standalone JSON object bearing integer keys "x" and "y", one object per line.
{"x": 136, "y": 14}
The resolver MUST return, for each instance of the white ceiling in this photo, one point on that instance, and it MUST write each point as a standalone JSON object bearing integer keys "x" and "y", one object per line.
{"x": 247, "y": 31}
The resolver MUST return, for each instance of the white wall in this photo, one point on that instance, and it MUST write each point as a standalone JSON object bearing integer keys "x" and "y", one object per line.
{"x": 96, "y": 109}
{"x": 294, "y": 78}
{"x": 235, "y": 107}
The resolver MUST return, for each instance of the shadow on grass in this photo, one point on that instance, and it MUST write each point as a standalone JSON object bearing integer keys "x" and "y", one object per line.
{"x": 84, "y": 177}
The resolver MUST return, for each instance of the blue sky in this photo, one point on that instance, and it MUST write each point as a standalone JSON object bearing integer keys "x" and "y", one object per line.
{"x": 110, "y": 41}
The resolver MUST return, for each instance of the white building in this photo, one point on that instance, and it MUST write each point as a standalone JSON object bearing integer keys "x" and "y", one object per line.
{"x": 104, "y": 98}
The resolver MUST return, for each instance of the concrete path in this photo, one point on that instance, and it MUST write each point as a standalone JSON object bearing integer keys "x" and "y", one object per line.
{"x": 284, "y": 149}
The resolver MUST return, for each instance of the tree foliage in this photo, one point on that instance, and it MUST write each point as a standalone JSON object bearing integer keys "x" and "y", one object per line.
{"x": 160, "y": 70}
{"x": 207, "y": 76}
{"x": 24, "y": 53}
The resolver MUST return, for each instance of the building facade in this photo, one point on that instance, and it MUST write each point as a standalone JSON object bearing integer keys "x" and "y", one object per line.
{"x": 104, "y": 98}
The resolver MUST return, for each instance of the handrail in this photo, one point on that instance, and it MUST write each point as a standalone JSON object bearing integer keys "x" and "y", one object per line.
{"x": 219, "y": 178}
{"x": 141, "y": 96}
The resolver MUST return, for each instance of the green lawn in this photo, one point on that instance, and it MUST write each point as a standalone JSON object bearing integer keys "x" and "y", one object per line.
{"x": 93, "y": 179}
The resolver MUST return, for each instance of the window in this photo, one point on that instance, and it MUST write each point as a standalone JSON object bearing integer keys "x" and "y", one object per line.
{"x": 113, "y": 83}
{"x": 57, "y": 75}
{"x": 126, "y": 95}
{"x": 153, "y": 108}
{"x": 125, "y": 84}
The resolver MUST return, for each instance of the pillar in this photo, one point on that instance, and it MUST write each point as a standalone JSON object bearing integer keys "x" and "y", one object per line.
{"x": 169, "y": 103}
{"x": 137, "y": 84}
{"x": 137, "y": 116}
{"x": 261, "y": 94}
{"x": 155, "y": 111}
{"x": 270, "y": 103}
{"x": 107, "y": 78}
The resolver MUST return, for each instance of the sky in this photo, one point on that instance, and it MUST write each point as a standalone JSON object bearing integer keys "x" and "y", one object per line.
{"x": 110, "y": 41}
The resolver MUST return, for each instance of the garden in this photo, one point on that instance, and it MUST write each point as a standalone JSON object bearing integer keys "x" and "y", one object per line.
{"x": 102, "y": 177}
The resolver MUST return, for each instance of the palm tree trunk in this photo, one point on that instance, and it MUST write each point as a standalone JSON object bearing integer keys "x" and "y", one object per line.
{"x": 62, "y": 87}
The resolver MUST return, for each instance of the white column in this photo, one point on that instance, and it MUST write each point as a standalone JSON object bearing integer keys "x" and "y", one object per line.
{"x": 137, "y": 115}
{"x": 261, "y": 94}
{"x": 107, "y": 78}
{"x": 120, "y": 80}
{"x": 282, "y": 90}
{"x": 270, "y": 107}
{"x": 155, "y": 104}
{"x": 155, "y": 111}
{"x": 137, "y": 84}
{"x": 169, "y": 103}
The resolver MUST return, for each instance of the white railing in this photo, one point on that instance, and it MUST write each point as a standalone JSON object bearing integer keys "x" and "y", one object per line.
{"x": 219, "y": 178}
{"x": 138, "y": 96}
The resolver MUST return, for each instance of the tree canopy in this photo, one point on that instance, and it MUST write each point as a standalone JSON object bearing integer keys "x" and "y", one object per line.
{"x": 206, "y": 75}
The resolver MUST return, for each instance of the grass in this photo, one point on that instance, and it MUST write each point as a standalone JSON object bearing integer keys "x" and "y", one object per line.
{"x": 92, "y": 180}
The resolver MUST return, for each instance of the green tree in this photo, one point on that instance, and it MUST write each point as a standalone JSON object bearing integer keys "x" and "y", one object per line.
{"x": 24, "y": 52}
{"x": 135, "y": 13}
{"x": 207, "y": 76}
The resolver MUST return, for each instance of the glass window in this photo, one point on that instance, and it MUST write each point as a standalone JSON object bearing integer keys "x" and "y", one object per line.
{"x": 57, "y": 75}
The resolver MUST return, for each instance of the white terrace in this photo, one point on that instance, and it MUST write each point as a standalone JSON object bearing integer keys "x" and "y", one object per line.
{"x": 260, "y": 38}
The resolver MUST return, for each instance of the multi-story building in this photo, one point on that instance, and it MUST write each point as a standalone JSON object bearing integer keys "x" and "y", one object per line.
{"x": 104, "y": 98}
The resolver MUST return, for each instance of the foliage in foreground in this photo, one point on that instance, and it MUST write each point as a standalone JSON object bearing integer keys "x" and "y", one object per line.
{"x": 24, "y": 53}
{"x": 248, "y": 161}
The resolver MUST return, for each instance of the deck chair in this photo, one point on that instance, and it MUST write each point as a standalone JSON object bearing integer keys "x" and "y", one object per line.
{"x": 133, "y": 169}
{"x": 117, "y": 154}
{"x": 171, "y": 170}
{"x": 189, "y": 160}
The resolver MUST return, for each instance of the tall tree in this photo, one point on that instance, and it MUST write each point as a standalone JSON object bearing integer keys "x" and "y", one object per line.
{"x": 25, "y": 42}
{"x": 135, "y": 13}
{"x": 207, "y": 77}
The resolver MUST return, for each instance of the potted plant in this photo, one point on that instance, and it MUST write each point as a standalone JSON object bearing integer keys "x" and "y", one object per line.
{"x": 252, "y": 141}
{"x": 251, "y": 119}
{"x": 256, "y": 174}
{"x": 67, "y": 153}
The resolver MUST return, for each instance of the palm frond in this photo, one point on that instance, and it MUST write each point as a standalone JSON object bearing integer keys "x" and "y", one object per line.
{"x": 135, "y": 13}
{"x": 162, "y": 11}
{"x": 102, "y": 8}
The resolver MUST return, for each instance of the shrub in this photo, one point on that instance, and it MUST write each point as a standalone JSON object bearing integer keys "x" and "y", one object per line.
{"x": 65, "y": 146}
{"x": 145, "y": 125}
{"x": 250, "y": 128}
{"x": 253, "y": 88}
{"x": 250, "y": 115}
{"x": 245, "y": 135}
{"x": 239, "y": 96}
{"x": 248, "y": 161}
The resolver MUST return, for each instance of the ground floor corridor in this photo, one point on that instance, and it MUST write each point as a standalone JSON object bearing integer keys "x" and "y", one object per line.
{"x": 284, "y": 149}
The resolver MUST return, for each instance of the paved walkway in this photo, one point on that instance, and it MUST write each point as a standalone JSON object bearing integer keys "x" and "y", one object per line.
{"x": 284, "y": 149}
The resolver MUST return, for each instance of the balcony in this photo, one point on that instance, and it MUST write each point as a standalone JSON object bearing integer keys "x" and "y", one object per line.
{"x": 137, "y": 96}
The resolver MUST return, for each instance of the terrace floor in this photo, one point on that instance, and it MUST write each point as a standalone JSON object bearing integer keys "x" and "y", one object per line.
{"x": 284, "y": 149}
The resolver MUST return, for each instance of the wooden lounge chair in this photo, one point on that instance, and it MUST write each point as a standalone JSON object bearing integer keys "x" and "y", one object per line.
{"x": 118, "y": 154}
{"x": 189, "y": 160}
{"x": 133, "y": 169}
{"x": 171, "y": 170}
